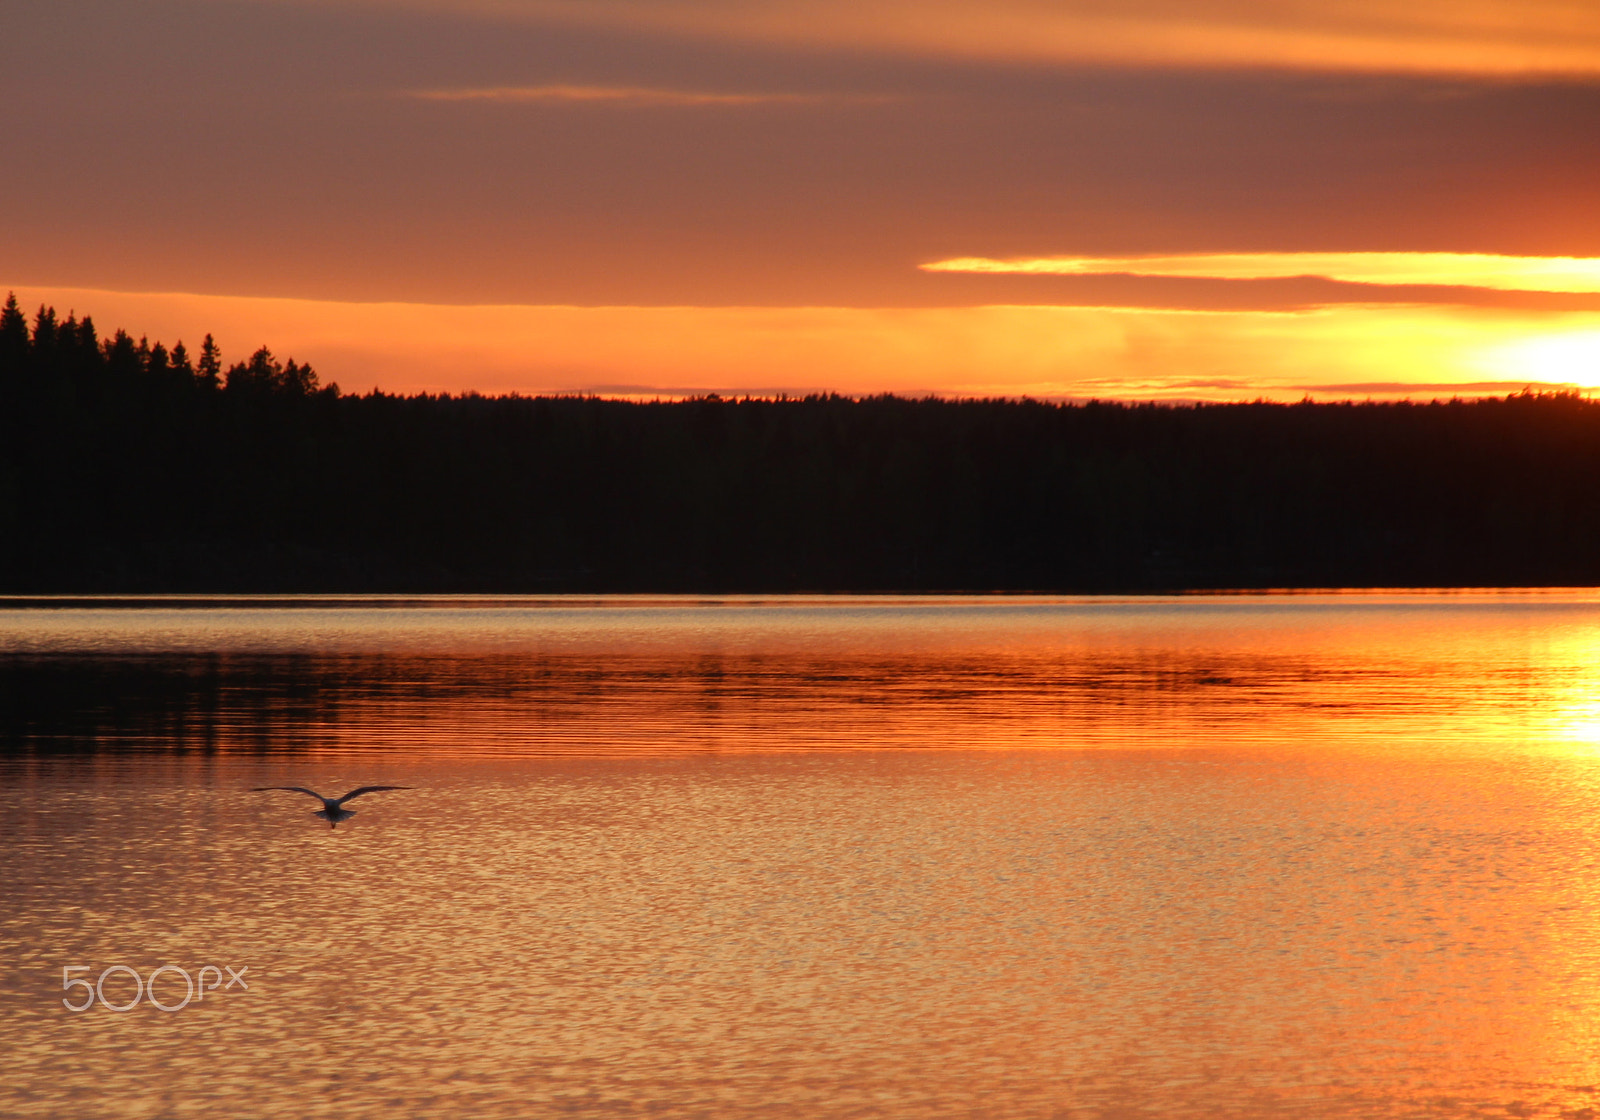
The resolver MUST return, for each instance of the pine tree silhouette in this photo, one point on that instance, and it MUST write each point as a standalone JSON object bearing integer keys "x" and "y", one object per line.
{"x": 182, "y": 367}
{"x": 13, "y": 339}
{"x": 209, "y": 370}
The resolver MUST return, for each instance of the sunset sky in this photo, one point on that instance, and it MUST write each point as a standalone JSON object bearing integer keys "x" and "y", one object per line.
{"x": 1171, "y": 199}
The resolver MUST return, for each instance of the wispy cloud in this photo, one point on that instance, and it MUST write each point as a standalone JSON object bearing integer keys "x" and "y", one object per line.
{"x": 617, "y": 95}
{"x": 1436, "y": 388}
{"x": 1452, "y": 36}
{"x": 1473, "y": 270}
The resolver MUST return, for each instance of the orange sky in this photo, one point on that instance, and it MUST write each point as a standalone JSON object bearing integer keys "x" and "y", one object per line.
{"x": 1334, "y": 197}
{"x": 1040, "y": 351}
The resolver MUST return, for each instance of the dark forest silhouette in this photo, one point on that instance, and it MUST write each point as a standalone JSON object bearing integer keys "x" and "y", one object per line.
{"x": 126, "y": 467}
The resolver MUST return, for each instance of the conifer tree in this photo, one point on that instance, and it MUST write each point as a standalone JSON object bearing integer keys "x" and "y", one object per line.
{"x": 121, "y": 355}
{"x": 299, "y": 379}
{"x": 13, "y": 339}
{"x": 141, "y": 356}
{"x": 44, "y": 335}
{"x": 209, "y": 371}
{"x": 179, "y": 361}
{"x": 262, "y": 373}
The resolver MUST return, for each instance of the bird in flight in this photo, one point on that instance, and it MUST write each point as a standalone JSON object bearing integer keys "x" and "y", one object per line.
{"x": 333, "y": 810}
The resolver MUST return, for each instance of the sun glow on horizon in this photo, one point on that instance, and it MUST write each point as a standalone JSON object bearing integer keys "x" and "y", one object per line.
{"x": 1474, "y": 270}
{"x": 1053, "y": 352}
{"x": 1572, "y": 357}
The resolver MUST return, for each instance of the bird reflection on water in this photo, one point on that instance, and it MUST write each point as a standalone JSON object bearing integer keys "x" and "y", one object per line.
{"x": 333, "y": 810}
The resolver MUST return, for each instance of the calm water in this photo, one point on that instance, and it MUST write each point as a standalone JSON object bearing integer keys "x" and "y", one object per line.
{"x": 1319, "y": 855}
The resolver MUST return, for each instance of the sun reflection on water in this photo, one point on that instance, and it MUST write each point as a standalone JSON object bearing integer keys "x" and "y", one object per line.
{"x": 1262, "y": 854}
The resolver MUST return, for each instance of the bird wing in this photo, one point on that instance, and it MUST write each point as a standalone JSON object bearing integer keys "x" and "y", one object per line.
{"x": 368, "y": 789}
{"x": 291, "y": 789}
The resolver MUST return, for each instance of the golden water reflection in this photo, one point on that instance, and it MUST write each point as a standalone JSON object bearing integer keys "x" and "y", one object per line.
{"x": 1453, "y": 671}
{"x": 1325, "y": 856}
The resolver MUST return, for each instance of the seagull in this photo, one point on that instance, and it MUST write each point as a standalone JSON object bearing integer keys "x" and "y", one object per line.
{"x": 333, "y": 810}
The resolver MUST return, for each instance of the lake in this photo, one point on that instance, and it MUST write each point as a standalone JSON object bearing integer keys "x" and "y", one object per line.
{"x": 1323, "y": 855}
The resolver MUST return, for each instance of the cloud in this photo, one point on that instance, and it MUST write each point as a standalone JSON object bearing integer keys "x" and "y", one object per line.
{"x": 1477, "y": 270}
{"x": 278, "y": 160}
{"x": 616, "y": 95}
{"x": 1453, "y": 36}
{"x": 1458, "y": 388}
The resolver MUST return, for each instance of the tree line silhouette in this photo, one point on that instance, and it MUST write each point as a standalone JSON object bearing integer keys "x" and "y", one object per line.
{"x": 128, "y": 467}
